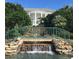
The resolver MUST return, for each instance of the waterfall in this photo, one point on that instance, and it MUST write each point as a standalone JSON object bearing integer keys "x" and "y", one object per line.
{"x": 40, "y": 49}
{"x": 49, "y": 48}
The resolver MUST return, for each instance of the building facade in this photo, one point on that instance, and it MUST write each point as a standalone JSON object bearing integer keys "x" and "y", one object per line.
{"x": 37, "y": 13}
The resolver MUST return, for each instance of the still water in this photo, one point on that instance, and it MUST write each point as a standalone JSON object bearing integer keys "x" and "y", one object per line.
{"x": 36, "y": 56}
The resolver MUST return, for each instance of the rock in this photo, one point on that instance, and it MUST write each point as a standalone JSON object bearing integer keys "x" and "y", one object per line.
{"x": 6, "y": 46}
{"x": 62, "y": 47}
{"x": 11, "y": 48}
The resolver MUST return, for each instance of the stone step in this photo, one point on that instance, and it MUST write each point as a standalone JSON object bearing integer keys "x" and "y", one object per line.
{"x": 10, "y": 50}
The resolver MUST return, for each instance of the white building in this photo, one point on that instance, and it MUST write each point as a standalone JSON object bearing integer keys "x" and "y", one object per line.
{"x": 37, "y": 13}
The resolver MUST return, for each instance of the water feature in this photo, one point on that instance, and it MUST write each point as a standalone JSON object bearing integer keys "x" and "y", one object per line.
{"x": 34, "y": 51}
{"x": 36, "y": 48}
{"x": 37, "y": 56}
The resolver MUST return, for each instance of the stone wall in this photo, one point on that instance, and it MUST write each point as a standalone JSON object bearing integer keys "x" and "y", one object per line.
{"x": 61, "y": 46}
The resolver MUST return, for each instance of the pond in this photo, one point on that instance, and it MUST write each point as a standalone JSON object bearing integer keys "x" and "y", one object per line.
{"x": 37, "y": 56}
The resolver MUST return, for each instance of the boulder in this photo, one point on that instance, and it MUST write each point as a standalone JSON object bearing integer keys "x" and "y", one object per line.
{"x": 62, "y": 47}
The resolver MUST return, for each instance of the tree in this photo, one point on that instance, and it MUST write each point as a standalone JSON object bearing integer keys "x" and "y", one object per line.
{"x": 14, "y": 14}
{"x": 15, "y": 19}
{"x": 59, "y": 21}
{"x": 67, "y": 12}
{"x": 66, "y": 16}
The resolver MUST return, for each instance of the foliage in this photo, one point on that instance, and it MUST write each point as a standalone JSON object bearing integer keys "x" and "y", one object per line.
{"x": 59, "y": 21}
{"x": 15, "y": 19}
{"x": 62, "y": 18}
{"x": 67, "y": 12}
{"x": 14, "y": 14}
{"x": 14, "y": 32}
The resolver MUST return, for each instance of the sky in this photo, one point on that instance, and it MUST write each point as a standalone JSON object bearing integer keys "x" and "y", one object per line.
{"x": 51, "y": 4}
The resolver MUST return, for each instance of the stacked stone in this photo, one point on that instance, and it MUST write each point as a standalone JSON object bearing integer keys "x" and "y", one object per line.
{"x": 11, "y": 48}
{"x": 63, "y": 47}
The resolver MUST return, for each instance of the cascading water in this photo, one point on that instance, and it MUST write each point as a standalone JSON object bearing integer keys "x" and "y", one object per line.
{"x": 37, "y": 49}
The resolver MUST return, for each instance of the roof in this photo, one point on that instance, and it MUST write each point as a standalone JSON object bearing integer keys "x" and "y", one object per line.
{"x": 37, "y": 9}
